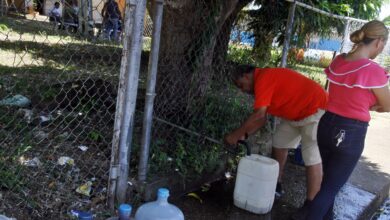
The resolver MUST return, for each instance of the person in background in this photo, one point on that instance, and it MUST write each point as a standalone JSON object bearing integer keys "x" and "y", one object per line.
{"x": 357, "y": 84}
{"x": 299, "y": 101}
{"x": 111, "y": 16}
{"x": 55, "y": 13}
{"x": 75, "y": 11}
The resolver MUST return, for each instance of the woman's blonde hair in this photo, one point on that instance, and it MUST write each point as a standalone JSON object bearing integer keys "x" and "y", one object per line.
{"x": 369, "y": 32}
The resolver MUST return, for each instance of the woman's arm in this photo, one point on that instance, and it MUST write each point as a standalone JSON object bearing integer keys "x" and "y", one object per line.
{"x": 383, "y": 99}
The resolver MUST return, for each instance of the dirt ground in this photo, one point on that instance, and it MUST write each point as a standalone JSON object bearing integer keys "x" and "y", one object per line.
{"x": 217, "y": 202}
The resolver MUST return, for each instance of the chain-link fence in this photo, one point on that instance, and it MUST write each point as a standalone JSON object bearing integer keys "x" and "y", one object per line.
{"x": 352, "y": 25}
{"x": 59, "y": 80}
{"x": 59, "y": 87}
{"x": 313, "y": 49}
{"x": 195, "y": 104}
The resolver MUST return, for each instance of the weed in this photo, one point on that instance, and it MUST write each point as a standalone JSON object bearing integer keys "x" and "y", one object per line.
{"x": 95, "y": 135}
{"x": 49, "y": 94}
{"x": 10, "y": 168}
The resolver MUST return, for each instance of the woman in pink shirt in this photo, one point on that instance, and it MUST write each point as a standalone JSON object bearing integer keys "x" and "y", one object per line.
{"x": 357, "y": 84}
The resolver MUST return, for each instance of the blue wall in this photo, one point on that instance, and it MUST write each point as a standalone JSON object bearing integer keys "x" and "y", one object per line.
{"x": 246, "y": 37}
{"x": 326, "y": 44}
{"x": 322, "y": 44}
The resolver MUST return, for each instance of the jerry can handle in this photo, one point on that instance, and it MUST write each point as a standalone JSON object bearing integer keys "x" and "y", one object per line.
{"x": 247, "y": 147}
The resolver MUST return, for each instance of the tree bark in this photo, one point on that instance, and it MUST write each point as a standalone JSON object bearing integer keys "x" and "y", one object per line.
{"x": 189, "y": 37}
{"x": 222, "y": 45}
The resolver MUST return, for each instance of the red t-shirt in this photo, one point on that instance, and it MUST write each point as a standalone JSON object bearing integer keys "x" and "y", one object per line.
{"x": 287, "y": 94}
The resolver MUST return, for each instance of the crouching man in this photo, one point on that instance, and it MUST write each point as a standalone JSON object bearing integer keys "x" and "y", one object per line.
{"x": 299, "y": 102}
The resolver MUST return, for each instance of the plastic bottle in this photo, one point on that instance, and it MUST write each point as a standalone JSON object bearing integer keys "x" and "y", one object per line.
{"x": 85, "y": 216}
{"x": 124, "y": 212}
{"x": 159, "y": 209}
{"x": 298, "y": 156}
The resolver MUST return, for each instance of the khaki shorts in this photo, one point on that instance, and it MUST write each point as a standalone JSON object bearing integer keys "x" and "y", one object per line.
{"x": 289, "y": 134}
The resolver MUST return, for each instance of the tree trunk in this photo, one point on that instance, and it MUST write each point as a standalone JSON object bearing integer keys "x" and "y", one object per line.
{"x": 222, "y": 45}
{"x": 266, "y": 29}
{"x": 189, "y": 36}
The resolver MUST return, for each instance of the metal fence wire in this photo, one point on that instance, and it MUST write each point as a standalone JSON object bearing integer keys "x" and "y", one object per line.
{"x": 58, "y": 88}
{"x": 58, "y": 99}
{"x": 58, "y": 91}
{"x": 312, "y": 51}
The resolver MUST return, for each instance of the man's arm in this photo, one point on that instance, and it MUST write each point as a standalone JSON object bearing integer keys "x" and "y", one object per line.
{"x": 253, "y": 123}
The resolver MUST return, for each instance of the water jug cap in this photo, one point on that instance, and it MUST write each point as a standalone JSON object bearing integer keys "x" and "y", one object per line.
{"x": 125, "y": 208}
{"x": 85, "y": 216}
{"x": 163, "y": 192}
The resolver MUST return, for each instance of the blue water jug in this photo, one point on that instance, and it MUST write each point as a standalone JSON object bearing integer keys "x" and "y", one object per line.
{"x": 298, "y": 159}
{"x": 124, "y": 212}
{"x": 159, "y": 209}
{"x": 85, "y": 216}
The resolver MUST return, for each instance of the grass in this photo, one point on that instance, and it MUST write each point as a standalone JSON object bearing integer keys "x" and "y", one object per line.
{"x": 244, "y": 54}
{"x": 11, "y": 169}
{"x": 315, "y": 73}
{"x": 34, "y": 59}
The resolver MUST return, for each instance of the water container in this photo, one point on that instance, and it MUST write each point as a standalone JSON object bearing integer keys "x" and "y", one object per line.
{"x": 256, "y": 183}
{"x": 85, "y": 216}
{"x": 298, "y": 156}
{"x": 124, "y": 212}
{"x": 159, "y": 209}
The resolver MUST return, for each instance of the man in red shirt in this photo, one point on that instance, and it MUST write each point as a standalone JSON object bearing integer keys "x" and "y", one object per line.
{"x": 299, "y": 102}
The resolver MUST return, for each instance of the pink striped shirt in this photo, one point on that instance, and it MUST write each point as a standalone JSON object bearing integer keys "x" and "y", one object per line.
{"x": 350, "y": 93}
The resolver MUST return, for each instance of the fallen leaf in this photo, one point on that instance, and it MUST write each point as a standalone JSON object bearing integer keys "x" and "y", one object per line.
{"x": 194, "y": 195}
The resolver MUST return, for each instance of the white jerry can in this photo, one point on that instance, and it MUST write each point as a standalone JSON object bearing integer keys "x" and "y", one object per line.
{"x": 256, "y": 181}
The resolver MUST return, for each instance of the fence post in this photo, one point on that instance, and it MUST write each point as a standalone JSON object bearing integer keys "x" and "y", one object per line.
{"x": 2, "y": 8}
{"x": 345, "y": 36}
{"x": 90, "y": 17}
{"x": 289, "y": 26}
{"x": 85, "y": 15}
{"x": 150, "y": 90}
{"x": 80, "y": 16}
{"x": 130, "y": 5}
{"x": 130, "y": 99}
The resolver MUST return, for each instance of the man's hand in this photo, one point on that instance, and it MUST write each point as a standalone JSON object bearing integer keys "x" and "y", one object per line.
{"x": 232, "y": 138}
{"x": 255, "y": 121}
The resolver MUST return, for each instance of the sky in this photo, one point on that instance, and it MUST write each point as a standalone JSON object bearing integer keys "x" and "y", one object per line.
{"x": 385, "y": 11}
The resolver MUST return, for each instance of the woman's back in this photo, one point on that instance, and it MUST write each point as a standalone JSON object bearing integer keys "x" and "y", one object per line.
{"x": 350, "y": 93}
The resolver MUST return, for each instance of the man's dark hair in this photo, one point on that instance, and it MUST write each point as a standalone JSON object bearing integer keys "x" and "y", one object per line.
{"x": 240, "y": 70}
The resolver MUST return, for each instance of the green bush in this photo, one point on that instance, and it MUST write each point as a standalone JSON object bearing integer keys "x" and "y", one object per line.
{"x": 190, "y": 155}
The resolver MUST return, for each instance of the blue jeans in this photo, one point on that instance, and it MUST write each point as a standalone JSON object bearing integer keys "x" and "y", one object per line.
{"x": 112, "y": 25}
{"x": 341, "y": 143}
